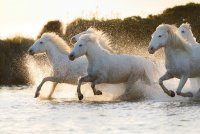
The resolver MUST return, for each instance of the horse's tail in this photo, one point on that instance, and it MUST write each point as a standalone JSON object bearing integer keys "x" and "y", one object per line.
{"x": 146, "y": 78}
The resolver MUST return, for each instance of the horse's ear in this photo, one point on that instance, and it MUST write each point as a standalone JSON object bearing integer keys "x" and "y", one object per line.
{"x": 90, "y": 29}
{"x": 189, "y": 26}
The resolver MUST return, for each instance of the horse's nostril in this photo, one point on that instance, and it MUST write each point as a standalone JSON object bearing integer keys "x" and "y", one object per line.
{"x": 71, "y": 56}
{"x": 30, "y": 52}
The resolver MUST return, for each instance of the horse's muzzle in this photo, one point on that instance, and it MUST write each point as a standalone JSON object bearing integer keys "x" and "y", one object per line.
{"x": 71, "y": 57}
{"x": 151, "y": 50}
{"x": 30, "y": 52}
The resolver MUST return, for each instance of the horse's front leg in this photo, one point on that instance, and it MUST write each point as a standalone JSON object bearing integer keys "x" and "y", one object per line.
{"x": 97, "y": 81}
{"x": 87, "y": 78}
{"x": 182, "y": 82}
{"x": 166, "y": 76}
{"x": 53, "y": 79}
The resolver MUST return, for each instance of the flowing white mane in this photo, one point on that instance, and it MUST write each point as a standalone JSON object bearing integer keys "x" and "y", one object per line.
{"x": 188, "y": 27}
{"x": 95, "y": 38}
{"x": 103, "y": 38}
{"x": 176, "y": 39}
{"x": 57, "y": 41}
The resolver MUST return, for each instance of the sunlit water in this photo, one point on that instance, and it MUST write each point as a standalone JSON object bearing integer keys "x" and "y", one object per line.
{"x": 149, "y": 111}
{"x": 20, "y": 113}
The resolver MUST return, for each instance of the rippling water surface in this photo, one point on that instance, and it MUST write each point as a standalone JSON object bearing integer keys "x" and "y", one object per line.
{"x": 20, "y": 113}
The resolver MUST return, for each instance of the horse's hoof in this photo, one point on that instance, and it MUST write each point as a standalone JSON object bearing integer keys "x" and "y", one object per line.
{"x": 171, "y": 93}
{"x": 49, "y": 98}
{"x": 36, "y": 95}
{"x": 98, "y": 92}
{"x": 80, "y": 96}
{"x": 189, "y": 94}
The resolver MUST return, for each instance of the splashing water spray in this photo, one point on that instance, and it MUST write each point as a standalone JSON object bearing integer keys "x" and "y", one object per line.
{"x": 38, "y": 69}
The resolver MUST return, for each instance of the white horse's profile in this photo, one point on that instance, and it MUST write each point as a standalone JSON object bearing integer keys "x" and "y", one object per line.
{"x": 64, "y": 70}
{"x": 105, "y": 67}
{"x": 181, "y": 59}
{"x": 186, "y": 32}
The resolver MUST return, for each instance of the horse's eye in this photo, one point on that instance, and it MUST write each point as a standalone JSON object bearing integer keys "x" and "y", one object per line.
{"x": 41, "y": 42}
{"x": 80, "y": 45}
{"x": 182, "y": 31}
{"x": 160, "y": 36}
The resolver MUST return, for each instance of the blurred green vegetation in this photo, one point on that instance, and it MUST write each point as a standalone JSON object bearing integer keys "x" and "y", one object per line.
{"x": 12, "y": 69}
{"x": 136, "y": 31}
{"x": 52, "y": 26}
{"x": 126, "y": 35}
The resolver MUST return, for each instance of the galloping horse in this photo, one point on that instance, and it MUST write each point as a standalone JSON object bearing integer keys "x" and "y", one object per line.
{"x": 181, "y": 59}
{"x": 105, "y": 67}
{"x": 64, "y": 70}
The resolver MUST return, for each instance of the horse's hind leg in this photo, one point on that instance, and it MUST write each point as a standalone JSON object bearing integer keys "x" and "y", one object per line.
{"x": 166, "y": 76}
{"x": 129, "y": 86}
{"x": 180, "y": 87}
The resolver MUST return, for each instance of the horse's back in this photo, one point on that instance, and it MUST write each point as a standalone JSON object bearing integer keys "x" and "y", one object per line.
{"x": 127, "y": 63}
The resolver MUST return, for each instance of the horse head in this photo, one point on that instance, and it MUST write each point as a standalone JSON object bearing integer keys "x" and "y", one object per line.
{"x": 159, "y": 38}
{"x": 186, "y": 32}
{"x": 39, "y": 46}
{"x": 81, "y": 46}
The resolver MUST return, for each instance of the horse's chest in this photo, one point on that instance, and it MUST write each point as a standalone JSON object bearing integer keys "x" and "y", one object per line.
{"x": 95, "y": 68}
{"x": 177, "y": 66}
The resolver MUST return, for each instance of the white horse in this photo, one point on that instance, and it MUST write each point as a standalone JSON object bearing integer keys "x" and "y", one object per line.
{"x": 64, "y": 70}
{"x": 181, "y": 59}
{"x": 186, "y": 32}
{"x": 105, "y": 67}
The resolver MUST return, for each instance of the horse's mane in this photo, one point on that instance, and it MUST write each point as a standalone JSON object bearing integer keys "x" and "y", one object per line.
{"x": 95, "y": 38}
{"x": 57, "y": 41}
{"x": 102, "y": 37}
{"x": 176, "y": 39}
{"x": 188, "y": 27}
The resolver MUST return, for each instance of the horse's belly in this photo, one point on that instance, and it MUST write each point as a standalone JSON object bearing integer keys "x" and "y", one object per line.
{"x": 195, "y": 73}
{"x": 195, "y": 68}
{"x": 117, "y": 77}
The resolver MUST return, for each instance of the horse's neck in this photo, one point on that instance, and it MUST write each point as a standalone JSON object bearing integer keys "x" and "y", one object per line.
{"x": 191, "y": 38}
{"x": 94, "y": 54}
{"x": 55, "y": 56}
{"x": 174, "y": 47}
{"x": 169, "y": 52}
{"x": 174, "y": 54}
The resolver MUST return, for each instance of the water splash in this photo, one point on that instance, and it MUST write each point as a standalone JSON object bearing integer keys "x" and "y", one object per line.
{"x": 38, "y": 68}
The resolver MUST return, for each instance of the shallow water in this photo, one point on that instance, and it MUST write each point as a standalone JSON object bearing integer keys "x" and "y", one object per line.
{"x": 21, "y": 113}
